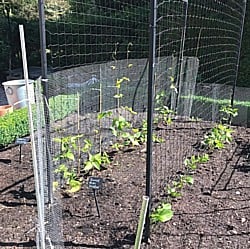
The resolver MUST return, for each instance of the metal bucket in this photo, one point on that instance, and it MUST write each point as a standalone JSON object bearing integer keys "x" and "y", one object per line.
{"x": 15, "y": 91}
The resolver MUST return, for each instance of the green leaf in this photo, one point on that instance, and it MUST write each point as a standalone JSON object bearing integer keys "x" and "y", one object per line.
{"x": 97, "y": 165}
{"x": 55, "y": 185}
{"x": 118, "y": 96}
{"x": 104, "y": 114}
{"x": 163, "y": 213}
{"x": 172, "y": 191}
{"x": 69, "y": 155}
{"x": 114, "y": 131}
{"x": 61, "y": 169}
{"x": 87, "y": 145}
{"x": 189, "y": 180}
{"x": 74, "y": 186}
{"x": 88, "y": 166}
{"x": 96, "y": 158}
{"x": 204, "y": 158}
{"x": 119, "y": 81}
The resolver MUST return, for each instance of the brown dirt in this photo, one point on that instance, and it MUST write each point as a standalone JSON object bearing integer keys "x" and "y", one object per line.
{"x": 213, "y": 213}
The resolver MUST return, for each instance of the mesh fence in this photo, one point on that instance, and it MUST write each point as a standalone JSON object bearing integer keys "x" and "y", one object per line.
{"x": 197, "y": 61}
{"x": 97, "y": 87}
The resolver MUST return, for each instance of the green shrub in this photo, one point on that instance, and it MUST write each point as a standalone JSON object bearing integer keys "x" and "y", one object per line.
{"x": 13, "y": 125}
{"x": 16, "y": 124}
{"x": 62, "y": 105}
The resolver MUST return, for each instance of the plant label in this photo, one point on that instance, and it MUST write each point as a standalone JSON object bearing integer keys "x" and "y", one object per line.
{"x": 21, "y": 141}
{"x": 95, "y": 182}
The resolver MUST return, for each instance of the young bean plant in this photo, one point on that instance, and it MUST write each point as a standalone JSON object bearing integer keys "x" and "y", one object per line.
{"x": 175, "y": 189}
{"x": 66, "y": 159}
{"x": 227, "y": 113}
{"x": 94, "y": 161}
{"x": 192, "y": 162}
{"x": 163, "y": 113}
{"x": 162, "y": 213}
{"x": 218, "y": 137}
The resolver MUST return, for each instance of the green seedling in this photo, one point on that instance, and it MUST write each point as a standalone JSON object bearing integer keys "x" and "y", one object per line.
{"x": 228, "y": 112}
{"x": 123, "y": 130}
{"x": 218, "y": 137}
{"x": 143, "y": 134}
{"x": 104, "y": 115}
{"x": 164, "y": 114}
{"x": 68, "y": 147}
{"x": 94, "y": 161}
{"x": 66, "y": 158}
{"x": 174, "y": 190}
{"x": 70, "y": 178}
{"x": 162, "y": 214}
{"x": 118, "y": 94}
{"x": 192, "y": 162}
{"x": 117, "y": 146}
{"x": 119, "y": 125}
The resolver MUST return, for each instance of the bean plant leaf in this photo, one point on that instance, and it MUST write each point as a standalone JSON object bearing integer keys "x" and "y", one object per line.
{"x": 75, "y": 186}
{"x": 189, "y": 180}
{"x": 163, "y": 213}
{"x": 55, "y": 185}
{"x": 88, "y": 166}
{"x": 104, "y": 114}
{"x": 119, "y": 81}
{"x": 69, "y": 155}
{"x": 118, "y": 96}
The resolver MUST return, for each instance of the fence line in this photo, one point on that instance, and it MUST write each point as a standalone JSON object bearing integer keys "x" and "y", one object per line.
{"x": 104, "y": 62}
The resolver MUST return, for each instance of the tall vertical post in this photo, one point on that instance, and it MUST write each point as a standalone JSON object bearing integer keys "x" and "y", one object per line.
{"x": 44, "y": 81}
{"x": 150, "y": 113}
{"x": 41, "y": 231}
{"x": 43, "y": 47}
{"x": 239, "y": 49}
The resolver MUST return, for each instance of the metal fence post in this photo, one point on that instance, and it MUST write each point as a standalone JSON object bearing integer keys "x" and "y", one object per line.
{"x": 152, "y": 51}
{"x": 44, "y": 82}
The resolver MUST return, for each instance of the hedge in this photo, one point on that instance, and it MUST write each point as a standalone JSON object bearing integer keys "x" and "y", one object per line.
{"x": 16, "y": 124}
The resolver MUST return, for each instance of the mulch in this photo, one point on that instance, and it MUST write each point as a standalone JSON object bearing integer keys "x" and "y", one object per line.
{"x": 212, "y": 213}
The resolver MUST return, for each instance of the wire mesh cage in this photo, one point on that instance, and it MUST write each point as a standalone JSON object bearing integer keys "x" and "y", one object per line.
{"x": 98, "y": 89}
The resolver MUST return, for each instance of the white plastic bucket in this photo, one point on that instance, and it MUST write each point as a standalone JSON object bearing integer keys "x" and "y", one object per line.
{"x": 15, "y": 91}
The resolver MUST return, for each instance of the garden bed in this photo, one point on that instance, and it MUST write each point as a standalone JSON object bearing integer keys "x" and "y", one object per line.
{"x": 212, "y": 213}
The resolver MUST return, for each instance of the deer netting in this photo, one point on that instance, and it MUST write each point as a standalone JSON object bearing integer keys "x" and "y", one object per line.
{"x": 98, "y": 57}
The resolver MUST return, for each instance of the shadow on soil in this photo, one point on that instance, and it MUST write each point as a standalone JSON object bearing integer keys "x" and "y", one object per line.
{"x": 10, "y": 244}
{"x": 16, "y": 183}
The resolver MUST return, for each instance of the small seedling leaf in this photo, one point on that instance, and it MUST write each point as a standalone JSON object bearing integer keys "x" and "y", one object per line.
{"x": 163, "y": 213}
{"x": 189, "y": 180}
{"x": 75, "y": 186}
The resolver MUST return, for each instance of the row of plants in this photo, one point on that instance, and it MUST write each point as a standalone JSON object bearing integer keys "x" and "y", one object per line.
{"x": 215, "y": 139}
{"x": 16, "y": 124}
{"x": 79, "y": 155}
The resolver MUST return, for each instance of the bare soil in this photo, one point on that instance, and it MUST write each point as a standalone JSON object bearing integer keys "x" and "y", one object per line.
{"x": 212, "y": 213}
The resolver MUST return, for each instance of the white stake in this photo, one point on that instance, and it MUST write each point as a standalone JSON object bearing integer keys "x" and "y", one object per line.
{"x": 141, "y": 223}
{"x": 41, "y": 227}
